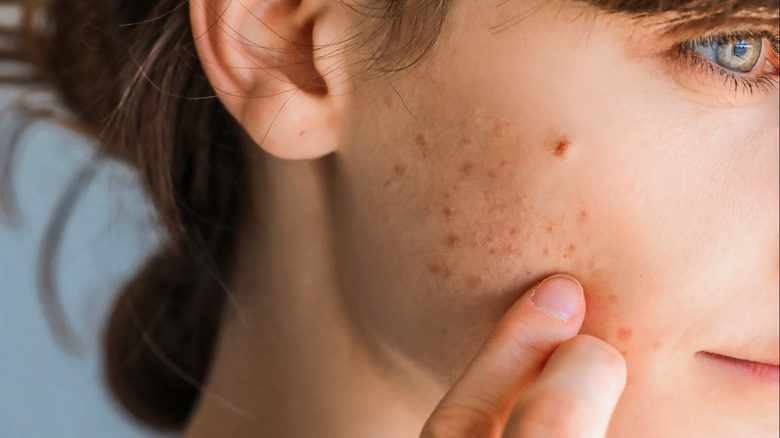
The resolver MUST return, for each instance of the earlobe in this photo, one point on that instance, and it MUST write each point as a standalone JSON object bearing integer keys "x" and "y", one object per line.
{"x": 261, "y": 57}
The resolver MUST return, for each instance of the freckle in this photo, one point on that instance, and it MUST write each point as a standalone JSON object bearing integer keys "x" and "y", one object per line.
{"x": 492, "y": 174}
{"x": 562, "y": 147}
{"x": 570, "y": 251}
{"x": 545, "y": 251}
{"x": 656, "y": 345}
{"x": 583, "y": 216}
{"x": 303, "y": 131}
{"x": 549, "y": 229}
{"x": 448, "y": 213}
{"x": 473, "y": 281}
{"x": 444, "y": 330}
{"x": 438, "y": 270}
{"x": 467, "y": 167}
{"x": 612, "y": 298}
{"x": 451, "y": 240}
{"x": 624, "y": 353}
{"x": 421, "y": 141}
{"x": 513, "y": 231}
{"x": 466, "y": 141}
{"x": 624, "y": 333}
{"x": 502, "y": 163}
{"x": 399, "y": 169}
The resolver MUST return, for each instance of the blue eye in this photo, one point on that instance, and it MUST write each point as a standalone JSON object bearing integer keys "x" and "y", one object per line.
{"x": 741, "y": 55}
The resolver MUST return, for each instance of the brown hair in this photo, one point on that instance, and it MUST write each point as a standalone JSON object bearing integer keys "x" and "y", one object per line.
{"x": 128, "y": 73}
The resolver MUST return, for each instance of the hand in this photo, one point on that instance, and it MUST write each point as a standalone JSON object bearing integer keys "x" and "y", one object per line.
{"x": 534, "y": 376}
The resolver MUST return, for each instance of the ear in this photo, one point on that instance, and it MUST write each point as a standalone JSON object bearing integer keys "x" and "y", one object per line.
{"x": 265, "y": 60}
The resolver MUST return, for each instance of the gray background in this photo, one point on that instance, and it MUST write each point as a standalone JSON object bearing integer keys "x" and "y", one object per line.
{"x": 45, "y": 391}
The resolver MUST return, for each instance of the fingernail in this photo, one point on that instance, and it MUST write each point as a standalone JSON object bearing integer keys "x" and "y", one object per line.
{"x": 559, "y": 296}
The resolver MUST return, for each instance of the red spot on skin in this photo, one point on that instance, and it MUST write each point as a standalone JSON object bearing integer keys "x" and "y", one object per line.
{"x": 473, "y": 281}
{"x": 583, "y": 216}
{"x": 451, "y": 240}
{"x": 438, "y": 270}
{"x": 549, "y": 229}
{"x": 502, "y": 163}
{"x": 422, "y": 143}
{"x": 561, "y": 147}
{"x": 492, "y": 251}
{"x": 448, "y": 213}
{"x": 513, "y": 231}
{"x": 624, "y": 333}
{"x": 545, "y": 252}
{"x": 467, "y": 167}
{"x": 492, "y": 174}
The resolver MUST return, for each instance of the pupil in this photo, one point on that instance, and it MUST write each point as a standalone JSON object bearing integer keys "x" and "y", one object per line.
{"x": 741, "y": 48}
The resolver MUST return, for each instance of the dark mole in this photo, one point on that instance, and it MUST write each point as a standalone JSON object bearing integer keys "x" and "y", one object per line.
{"x": 473, "y": 281}
{"x": 624, "y": 333}
{"x": 451, "y": 240}
{"x": 448, "y": 213}
{"x": 562, "y": 147}
{"x": 467, "y": 167}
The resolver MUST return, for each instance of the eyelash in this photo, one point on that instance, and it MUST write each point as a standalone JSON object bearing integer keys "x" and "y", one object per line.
{"x": 749, "y": 83}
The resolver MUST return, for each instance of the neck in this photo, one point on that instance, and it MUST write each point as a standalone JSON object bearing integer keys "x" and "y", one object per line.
{"x": 290, "y": 361}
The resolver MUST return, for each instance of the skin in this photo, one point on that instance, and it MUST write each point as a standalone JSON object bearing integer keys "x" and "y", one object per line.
{"x": 395, "y": 221}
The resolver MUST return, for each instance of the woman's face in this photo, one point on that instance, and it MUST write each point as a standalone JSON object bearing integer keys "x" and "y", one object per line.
{"x": 543, "y": 137}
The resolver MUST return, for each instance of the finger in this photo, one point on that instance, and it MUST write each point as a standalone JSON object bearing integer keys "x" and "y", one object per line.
{"x": 480, "y": 401}
{"x": 575, "y": 394}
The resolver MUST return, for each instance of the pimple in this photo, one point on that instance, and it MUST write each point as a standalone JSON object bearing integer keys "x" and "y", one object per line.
{"x": 422, "y": 143}
{"x": 473, "y": 281}
{"x": 451, "y": 240}
{"x": 561, "y": 147}
{"x": 439, "y": 270}
{"x": 513, "y": 231}
{"x": 624, "y": 333}
{"x": 467, "y": 167}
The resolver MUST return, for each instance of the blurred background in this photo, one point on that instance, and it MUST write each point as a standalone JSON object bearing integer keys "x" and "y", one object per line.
{"x": 45, "y": 389}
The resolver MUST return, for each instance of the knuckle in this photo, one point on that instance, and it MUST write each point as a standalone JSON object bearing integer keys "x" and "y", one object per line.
{"x": 556, "y": 413}
{"x": 459, "y": 421}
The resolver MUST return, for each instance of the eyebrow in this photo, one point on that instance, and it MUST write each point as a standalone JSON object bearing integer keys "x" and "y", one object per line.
{"x": 687, "y": 8}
